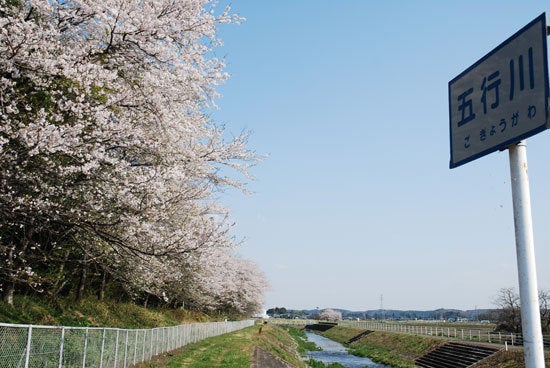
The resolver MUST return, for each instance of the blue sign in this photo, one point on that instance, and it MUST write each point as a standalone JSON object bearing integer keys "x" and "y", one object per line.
{"x": 502, "y": 98}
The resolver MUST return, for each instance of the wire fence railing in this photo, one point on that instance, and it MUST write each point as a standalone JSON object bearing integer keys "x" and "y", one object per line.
{"x": 473, "y": 335}
{"x": 463, "y": 334}
{"x": 30, "y": 346}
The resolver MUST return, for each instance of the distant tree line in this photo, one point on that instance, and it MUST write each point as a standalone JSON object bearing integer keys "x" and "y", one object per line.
{"x": 277, "y": 311}
{"x": 110, "y": 166}
{"x": 507, "y": 315}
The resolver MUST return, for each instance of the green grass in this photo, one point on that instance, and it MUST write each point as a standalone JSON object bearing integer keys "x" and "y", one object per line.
{"x": 219, "y": 351}
{"x": 342, "y": 334}
{"x": 92, "y": 313}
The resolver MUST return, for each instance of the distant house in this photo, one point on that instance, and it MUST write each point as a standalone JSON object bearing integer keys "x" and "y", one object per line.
{"x": 262, "y": 315}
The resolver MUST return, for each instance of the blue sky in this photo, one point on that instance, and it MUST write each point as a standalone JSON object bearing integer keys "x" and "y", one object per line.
{"x": 349, "y": 100}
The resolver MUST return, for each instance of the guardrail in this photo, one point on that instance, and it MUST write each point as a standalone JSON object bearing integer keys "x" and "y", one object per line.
{"x": 24, "y": 346}
{"x": 473, "y": 335}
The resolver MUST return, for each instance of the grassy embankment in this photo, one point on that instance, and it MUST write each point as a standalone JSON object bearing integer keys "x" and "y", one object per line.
{"x": 91, "y": 313}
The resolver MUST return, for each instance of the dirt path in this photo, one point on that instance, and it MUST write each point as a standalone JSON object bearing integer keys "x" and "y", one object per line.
{"x": 263, "y": 359}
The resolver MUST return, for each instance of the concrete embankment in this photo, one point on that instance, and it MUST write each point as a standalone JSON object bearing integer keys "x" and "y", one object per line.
{"x": 263, "y": 359}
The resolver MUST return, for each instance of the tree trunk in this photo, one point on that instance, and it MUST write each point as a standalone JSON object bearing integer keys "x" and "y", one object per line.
{"x": 61, "y": 279}
{"x": 82, "y": 281}
{"x": 9, "y": 287}
{"x": 101, "y": 291}
{"x": 8, "y": 293}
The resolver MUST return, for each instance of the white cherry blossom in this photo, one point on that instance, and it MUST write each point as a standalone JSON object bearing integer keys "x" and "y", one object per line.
{"x": 109, "y": 160}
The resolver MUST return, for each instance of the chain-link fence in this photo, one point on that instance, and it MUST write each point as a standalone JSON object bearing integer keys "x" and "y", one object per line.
{"x": 57, "y": 346}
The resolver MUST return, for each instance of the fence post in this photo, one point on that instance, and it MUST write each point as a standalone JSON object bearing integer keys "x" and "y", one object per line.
{"x": 143, "y": 350}
{"x": 162, "y": 342}
{"x": 158, "y": 341}
{"x": 170, "y": 339}
{"x": 61, "y": 343}
{"x": 85, "y": 348}
{"x": 102, "y": 349}
{"x": 28, "y": 351}
{"x": 126, "y": 349}
{"x": 151, "y": 343}
{"x": 116, "y": 346}
{"x": 135, "y": 345}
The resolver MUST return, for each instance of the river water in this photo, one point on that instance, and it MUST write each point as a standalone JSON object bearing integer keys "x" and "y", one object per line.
{"x": 334, "y": 352}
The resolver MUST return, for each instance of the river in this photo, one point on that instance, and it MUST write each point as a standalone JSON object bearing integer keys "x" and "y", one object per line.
{"x": 334, "y": 352}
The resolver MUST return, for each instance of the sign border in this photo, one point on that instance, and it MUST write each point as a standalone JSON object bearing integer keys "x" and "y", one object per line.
{"x": 542, "y": 19}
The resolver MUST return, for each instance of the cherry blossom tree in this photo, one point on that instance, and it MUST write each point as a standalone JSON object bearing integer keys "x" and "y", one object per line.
{"x": 109, "y": 160}
{"x": 330, "y": 315}
{"x": 217, "y": 280}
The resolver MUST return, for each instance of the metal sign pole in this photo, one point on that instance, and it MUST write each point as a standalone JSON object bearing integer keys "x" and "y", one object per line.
{"x": 525, "y": 249}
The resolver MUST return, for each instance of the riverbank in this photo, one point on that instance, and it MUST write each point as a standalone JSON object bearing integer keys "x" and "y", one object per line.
{"x": 396, "y": 350}
{"x": 400, "y": 350}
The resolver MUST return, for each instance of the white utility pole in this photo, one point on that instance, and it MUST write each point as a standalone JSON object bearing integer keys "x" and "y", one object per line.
{"x": 525, "y": 248}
